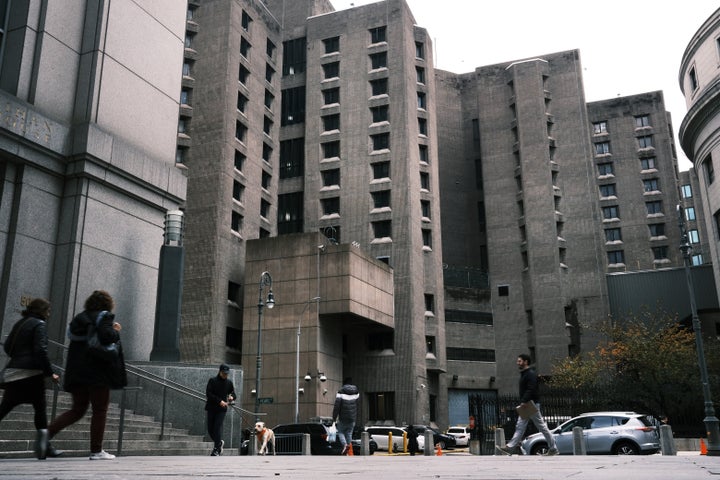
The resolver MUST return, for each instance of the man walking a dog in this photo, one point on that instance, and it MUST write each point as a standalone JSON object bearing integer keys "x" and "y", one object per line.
{"x": 345, "y": 412}
{"x": 219, "y": 392}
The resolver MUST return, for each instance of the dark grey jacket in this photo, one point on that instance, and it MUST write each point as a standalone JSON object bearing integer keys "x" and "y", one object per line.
{"x": 346, "y": 405}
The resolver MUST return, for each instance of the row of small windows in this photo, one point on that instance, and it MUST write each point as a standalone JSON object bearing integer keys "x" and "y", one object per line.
{"x": 617, "y": 257}
{"x": 607, "y": 169}
{"x": 656, "y": 230}
{"x": 612, "y": 212}
{"x": 660, "y": 254}
{"x": 644, "y": 141}
{"x": 380, "y": 199}
{"x": 650, "y": 185}
{"x": 601, "y": 127}
{"x": 377, "y": 35}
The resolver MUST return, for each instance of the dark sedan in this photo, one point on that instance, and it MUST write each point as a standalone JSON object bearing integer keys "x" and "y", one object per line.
{"x": 443, "y": 439}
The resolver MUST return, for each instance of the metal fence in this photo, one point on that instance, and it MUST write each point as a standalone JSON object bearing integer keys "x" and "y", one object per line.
{"x": 491, "y": 411}
{"x": 289, "y": 443}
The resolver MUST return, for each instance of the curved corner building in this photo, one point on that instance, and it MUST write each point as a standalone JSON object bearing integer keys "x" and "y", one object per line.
{"x": 700, "y": 130}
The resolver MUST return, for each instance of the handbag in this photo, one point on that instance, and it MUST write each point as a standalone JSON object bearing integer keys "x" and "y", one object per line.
{"x": 97, "y": 350}
{"x": 9, "y": 375}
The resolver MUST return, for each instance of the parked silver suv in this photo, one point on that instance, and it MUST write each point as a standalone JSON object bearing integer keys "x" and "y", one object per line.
{"x": 614, "y": 433}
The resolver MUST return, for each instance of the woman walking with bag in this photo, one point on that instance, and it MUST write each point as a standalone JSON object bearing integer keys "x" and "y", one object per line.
{"x": 88, "y": 378}
{"x": 28, "y": 366}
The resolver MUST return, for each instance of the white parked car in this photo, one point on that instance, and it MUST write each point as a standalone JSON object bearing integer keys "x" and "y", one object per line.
{"x": 461, "y": 434}
{"x": 381, "y": 435}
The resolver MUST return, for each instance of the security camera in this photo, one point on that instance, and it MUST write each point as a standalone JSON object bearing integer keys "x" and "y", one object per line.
{"x": 323, "y": 378}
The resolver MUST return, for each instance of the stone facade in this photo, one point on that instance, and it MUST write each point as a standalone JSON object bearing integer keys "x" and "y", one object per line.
{"x": 86, "y": 158}
{"x": 355, "y": 300}
{"x": 700, "y": 129}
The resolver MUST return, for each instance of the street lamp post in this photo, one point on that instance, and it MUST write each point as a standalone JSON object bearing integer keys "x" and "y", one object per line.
{"x": 711, "y": 421}
{"x": 265, "y": 281}
{"x": 297, "y": 360}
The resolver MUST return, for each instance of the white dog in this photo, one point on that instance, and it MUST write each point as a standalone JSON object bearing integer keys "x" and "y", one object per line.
{"x": 264, "y": 436}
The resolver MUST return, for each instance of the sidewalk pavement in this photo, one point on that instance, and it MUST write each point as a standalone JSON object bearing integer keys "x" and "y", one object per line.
{"x": 686, "y": 466}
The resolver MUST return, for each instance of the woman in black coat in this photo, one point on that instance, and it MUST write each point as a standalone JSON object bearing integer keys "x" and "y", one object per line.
{"x": 88, "y": 379}
{"x": 28, "y": 366}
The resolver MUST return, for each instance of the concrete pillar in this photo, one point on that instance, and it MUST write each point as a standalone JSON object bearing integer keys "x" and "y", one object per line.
{"x": 667, "y": 442}
{"x": 578, "y": 441}
{"x": 306, "y": 444}
{"x": 166, "y": 337}
{"x": 429, "y": 445}
{"x": 252, "y": 445}
{"x": 364, "y": 443}
{"x": 474, "y": 447}
{"x": 500, "y": 437}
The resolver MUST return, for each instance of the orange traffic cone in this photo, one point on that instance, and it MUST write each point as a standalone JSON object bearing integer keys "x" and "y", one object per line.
{"x": 438, "y": 450}
{"x": 703, "y": 447}
{"x": 350, "y": 451}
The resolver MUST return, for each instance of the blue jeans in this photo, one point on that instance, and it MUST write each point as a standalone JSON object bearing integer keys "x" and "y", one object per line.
{"x": 344, "y": 432}
{"x": 539, "y": 422}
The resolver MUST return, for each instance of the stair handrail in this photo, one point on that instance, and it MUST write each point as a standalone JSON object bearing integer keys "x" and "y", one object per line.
{"x": 158, "y": 380}
{"x": 153, "y": 379}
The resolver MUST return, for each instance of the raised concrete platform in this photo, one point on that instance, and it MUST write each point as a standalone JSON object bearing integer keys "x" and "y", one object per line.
{"x": 687, "y": 466}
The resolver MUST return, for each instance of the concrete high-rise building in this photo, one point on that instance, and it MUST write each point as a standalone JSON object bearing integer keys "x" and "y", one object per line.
{"x": 87, "y": 157}
{"x": 517, "y": 203}
{"x": 324, "y": 121}
{"x": 636, "y": 182}
{"x": 315, "y": 126}
{"x": 231, "y": 113}
{"x": 337, "y": 137}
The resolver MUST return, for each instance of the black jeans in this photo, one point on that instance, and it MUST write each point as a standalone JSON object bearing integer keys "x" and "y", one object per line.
{"x": 215, "y": 421}
{"x": 28, "y": 390}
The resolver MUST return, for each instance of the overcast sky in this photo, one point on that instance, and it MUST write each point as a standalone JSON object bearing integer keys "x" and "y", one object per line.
{"x": 626, "y": 46}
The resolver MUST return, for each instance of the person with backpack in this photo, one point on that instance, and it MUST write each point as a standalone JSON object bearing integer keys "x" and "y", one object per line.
{"x": 88, "y": 377}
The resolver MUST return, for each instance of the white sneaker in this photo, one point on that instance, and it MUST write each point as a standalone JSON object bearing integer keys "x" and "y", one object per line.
{"x": 222, "y": 444}
{"x": 101, "y": 455}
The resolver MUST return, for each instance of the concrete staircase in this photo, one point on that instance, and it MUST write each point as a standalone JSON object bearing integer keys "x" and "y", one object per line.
{"x": 141, "y": 434}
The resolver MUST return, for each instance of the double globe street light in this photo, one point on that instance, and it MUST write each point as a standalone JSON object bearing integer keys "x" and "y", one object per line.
{"x": 711, "y": 421}
{"x": 265, "y": 281}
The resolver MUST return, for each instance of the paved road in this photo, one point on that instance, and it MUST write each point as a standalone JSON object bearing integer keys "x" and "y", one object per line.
{"x": 687, "y": 466}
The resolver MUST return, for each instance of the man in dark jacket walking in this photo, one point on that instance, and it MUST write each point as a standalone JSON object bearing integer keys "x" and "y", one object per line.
{"x": 528, "y": 394}
{"x": 345, "y": 413}
{"x": 219, "y": 392}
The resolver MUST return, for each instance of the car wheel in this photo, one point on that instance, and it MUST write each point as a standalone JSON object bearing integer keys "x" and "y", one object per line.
{"x": 442, "y": 445}
{"x": 539, "y": 449}
{"x": 625, "y": 448}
